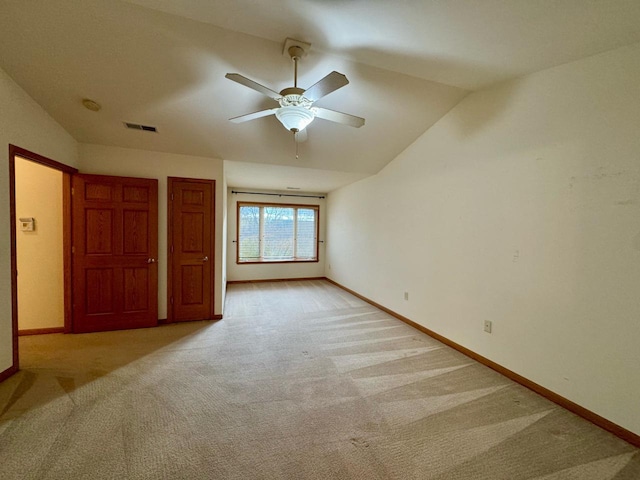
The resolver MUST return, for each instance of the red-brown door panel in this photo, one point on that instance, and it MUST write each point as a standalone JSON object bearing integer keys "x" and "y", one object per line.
{"x": 115, "y": 247}
{"x": 191, "y": 249}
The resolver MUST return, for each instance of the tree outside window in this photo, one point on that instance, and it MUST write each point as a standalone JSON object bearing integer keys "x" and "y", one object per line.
{"x": 277, "y": 233}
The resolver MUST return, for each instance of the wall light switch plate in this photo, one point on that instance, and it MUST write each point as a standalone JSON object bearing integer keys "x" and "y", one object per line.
{"x": 487, "y": 326}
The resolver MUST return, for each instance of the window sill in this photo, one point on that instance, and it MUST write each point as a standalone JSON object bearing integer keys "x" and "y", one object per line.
{"x": 262, "y": 262}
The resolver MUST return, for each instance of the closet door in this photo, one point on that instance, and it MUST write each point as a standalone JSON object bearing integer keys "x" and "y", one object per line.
{"x": 114, "y": 250}
{"x": 191, "y": 248}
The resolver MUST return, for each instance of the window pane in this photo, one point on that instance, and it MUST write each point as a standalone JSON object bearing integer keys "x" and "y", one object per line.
{"x": 249, "y": 238}
{"x": 306, "y": 240}
{"x": 278, "y": 233}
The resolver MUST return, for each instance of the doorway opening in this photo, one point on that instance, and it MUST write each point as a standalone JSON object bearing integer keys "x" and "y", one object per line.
{"x": 39, "y": 248}
{"x": 40, "y": 212}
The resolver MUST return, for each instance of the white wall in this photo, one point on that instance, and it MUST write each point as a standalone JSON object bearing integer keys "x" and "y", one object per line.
{"x": 264, "y": 271}
{"x": 40, "y": 252}
{"x": 101, "y": 160}
{"x": 25, "y": 124}
{"x": 521, "y": 206}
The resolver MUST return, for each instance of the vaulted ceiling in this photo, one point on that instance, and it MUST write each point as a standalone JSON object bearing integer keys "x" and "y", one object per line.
{"x": 163, "y": 63}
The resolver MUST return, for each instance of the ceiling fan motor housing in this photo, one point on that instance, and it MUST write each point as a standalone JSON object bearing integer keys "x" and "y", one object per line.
{"x": 294, "y": 96}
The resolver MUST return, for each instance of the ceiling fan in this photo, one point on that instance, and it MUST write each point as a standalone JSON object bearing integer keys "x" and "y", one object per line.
{"x": 297, "y": 109}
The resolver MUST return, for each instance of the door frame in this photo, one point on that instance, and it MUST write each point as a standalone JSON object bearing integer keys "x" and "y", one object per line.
{"x": 67, "y": 171}
{"x": 170, "y": 182}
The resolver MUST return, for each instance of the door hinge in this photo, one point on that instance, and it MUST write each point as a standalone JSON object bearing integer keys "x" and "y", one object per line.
{"x": 73, "y": 190}
{"x": 171, "y": 248}
{"x": 73, "y": 249}
{"x": 172, "y": 196}
{"x": 171, "y": 300}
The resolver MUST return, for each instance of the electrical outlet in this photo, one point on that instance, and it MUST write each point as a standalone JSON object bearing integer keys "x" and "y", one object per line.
{"x": 487, "y": 326}
{"x": 406, "y": 295}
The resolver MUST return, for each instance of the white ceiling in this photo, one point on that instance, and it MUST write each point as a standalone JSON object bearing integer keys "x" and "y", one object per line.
{"x": 162, "y": 63}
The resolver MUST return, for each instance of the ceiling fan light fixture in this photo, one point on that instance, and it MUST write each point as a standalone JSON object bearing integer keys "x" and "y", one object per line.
{"x": 294, "y": 118}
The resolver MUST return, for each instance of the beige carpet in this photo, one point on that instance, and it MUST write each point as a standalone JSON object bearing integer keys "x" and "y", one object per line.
{"x": 299, "y": 381}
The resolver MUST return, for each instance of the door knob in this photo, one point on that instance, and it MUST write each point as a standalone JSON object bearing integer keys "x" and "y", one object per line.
{"x": 205, "y": 259}
{"x": 151, "y": 260}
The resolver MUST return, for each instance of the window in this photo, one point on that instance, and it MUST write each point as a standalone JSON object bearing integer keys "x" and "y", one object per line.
{"x": 277, "y": 233}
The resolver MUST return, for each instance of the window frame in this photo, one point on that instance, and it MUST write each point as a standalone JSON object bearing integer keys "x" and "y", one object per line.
{"x": 295, "y": 206}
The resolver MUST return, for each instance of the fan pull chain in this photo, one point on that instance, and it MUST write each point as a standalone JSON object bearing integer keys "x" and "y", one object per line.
{"x": 294, "y": 141}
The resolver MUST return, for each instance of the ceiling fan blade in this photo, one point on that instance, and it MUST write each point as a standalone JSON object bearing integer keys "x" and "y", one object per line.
{"x": 301, "y": 136}
{"x": 236, "y": 77}
{"x": 328, "y": 84}
{"x": 339, "y": 117}
{"x": 252, "y": 116}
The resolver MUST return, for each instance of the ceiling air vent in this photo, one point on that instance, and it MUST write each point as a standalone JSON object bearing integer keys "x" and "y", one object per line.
{"x": 137, "y": 126}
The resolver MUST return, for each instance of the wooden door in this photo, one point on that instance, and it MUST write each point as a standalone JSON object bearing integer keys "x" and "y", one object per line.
{"x": 191, "y": 248}
{"x": 115, "y": 247}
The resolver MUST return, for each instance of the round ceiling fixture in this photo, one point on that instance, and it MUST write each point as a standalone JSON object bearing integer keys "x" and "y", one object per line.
{"x": 91, "y": 105}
